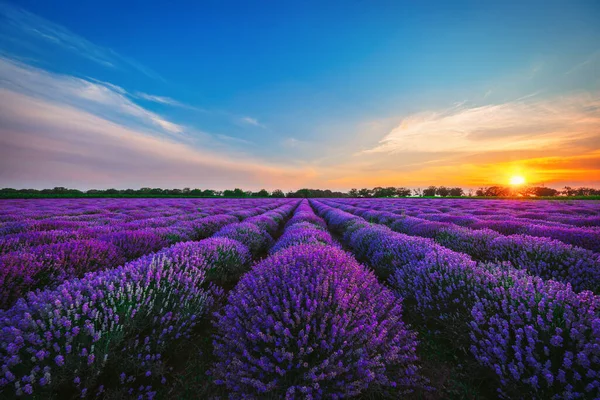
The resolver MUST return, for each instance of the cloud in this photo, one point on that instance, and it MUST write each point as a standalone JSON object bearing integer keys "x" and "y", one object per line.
{"x": 100, "y": 98}
{"x": 291, "y": 143}
{"x": 19, "y": 24}
{"x": 45, "y": 143}
{"x": 232, "y": 139}
{"x": 251, "y": 121}
{"x": 164, "y": 100}
{"x": 527, "y": 123}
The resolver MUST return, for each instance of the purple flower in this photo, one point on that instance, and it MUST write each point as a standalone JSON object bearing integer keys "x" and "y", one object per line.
{"x": 297, "y": 288}
{"x": 59, "y": 360}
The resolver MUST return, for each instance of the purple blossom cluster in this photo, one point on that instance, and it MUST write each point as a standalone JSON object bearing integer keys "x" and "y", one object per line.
{"x": 23, "y": 241}
{"x": 121, "y": 320}
{"x": 118, "y": 324}
{"x": 303, "y": 228}
{"x": 227, "y": 258}
{"x": 539, "y": 337}
{"x": 250, "y": 235}
{"x": 542, "y": 256}
{"x": 41, "y": 266}
{"x": 33, "y": 259}
{"x": 310, "y": 322}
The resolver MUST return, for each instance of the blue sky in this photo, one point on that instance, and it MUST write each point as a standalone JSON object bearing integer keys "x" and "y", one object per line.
{"x": 265, "y": 94}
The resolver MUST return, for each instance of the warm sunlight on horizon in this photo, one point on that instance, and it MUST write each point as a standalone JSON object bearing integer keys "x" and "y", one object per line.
{"x": 517, "y": 180}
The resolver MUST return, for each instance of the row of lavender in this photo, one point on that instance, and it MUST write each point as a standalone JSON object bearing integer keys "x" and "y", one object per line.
{"x": 112, "y": 330}
{"x": 545, "y": 212}
{"x": 479, "y": 215}
{"x": 51, "y": 250}
{"x": 310, "y": 322}
{"x": 34, "y": 223}
{"x": 544, "y": 257}
{"x": 539, "y": 337}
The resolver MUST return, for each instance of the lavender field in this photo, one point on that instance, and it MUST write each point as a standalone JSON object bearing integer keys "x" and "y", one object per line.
{"x": 299, "y": 298}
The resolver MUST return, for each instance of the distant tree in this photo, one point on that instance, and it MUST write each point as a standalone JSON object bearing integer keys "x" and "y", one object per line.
{"x": 541, "y": 191}
{"x": 111, "y": 191}
{"x": 186, "y": 191}
{"x": 418, "y": 192}
{"x": 129, "y": 192}
{"x": 196, "y": 192}
{"x": 209, "y": 193}
{"x": 430, "y": 191}
{"x": 365, "y": 192}
{"x": 261, "y": 193}
{"x": 470, "y": 192}
{"x": 175, "y": 192}
{"x": 277, "y": 193}
{"x": 303, "y": 193}
{"x": 377, "y": 191}
{"x": 353, "y": 193}
{"x": 403, "y": 192}
{"x": 456, "y": 192}
{"x": 156, "y": 191}
{"x": 586, "y": 191}
{"x": 497, "y": 191}
{"x": 443, "y": 191}
{"x": 384, "y": 192}
{"x": 480, "y": 192}
{"x": 237, "y": 192}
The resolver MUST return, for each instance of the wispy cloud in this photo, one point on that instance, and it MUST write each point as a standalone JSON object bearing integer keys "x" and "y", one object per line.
{"x": 101, "y": 98}
{"x": 251, "y": 121}
{"x": 232, "y": 139}
{"x": 591, "y": 61}
{"x": 164, "y": 100}
{"x": 18, "y": 23}
{"x": 519, "y": 125}
{"x": 57, "y": 129}
{"x": 44, "y": 142}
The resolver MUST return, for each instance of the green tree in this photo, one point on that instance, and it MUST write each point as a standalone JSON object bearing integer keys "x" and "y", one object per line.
{"x": 430, "y": 191}
{"x": 442, "y": 191}
{"x": 364, "y": 192}
{"x": 456, "y": 192}
{"x": 403, "y": 192}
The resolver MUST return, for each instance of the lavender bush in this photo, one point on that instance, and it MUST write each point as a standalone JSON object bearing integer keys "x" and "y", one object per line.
{"x": 257, "y": 240}
{"x": 226, "y": 258}
{"x": 49, "y": 265}
{"x": 310, "y": 322}
{"x": 540, "y": 338}
{"x": 108, "y": 326}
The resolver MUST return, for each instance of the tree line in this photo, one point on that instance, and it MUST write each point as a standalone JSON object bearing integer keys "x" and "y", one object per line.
{"x": 376, "y": 192}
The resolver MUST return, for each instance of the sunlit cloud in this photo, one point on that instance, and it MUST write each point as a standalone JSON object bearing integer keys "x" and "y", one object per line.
{"x": 75, "y": 147}
{"x": 523, "y": 124}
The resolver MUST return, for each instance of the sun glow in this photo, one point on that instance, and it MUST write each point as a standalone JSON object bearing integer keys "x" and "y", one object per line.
{"x": 517, "y": 180}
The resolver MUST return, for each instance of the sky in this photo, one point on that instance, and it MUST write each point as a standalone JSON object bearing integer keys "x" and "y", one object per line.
{"x": 222, "y": 94}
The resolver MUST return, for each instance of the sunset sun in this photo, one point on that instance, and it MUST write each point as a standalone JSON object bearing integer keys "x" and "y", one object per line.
{"x": 517, "y": 180}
